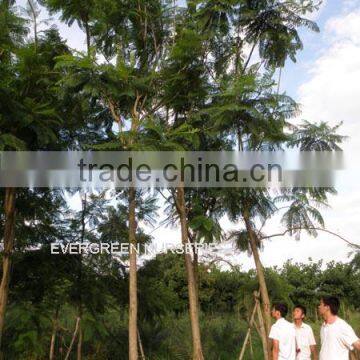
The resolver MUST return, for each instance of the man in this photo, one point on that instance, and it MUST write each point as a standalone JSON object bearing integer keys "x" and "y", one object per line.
{"x": 282, "y": 334}
{"x": 337, "y": 336}
{"x": 305, "y": 340}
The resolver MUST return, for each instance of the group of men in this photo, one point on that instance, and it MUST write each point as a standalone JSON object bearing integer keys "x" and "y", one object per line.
{"x": 296, "y": 341}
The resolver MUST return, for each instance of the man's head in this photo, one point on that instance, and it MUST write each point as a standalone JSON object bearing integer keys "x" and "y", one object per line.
{"x": 299, "y": 312}
{"x": 279, "y": 311}
{"x": 329, "y": 305}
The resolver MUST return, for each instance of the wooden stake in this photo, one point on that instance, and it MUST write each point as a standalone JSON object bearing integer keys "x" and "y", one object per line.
{"x": 247, "y": 337}
{"x": 142, "y": 354}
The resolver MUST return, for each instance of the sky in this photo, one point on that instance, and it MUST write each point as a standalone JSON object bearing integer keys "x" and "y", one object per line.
{"x": 325, "y": 80}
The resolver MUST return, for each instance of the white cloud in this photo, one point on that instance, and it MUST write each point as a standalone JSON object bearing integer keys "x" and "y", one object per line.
{"x": 332, "y": 94}
{"x": 333, "y": 91}
{"x": 349, "y": 5}
{"x": 345, "y": 27}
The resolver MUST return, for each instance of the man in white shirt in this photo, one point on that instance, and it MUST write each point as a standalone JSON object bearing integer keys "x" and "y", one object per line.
{"x": 282, "y": 334}
{"x": 305, "y": 340}
{"x": 337, "y": 336}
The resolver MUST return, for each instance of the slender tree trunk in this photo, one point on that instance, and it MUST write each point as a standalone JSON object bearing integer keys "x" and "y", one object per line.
{"x": 240, "y": 142}
{"x": 279, "y": 81}
{"x": 249, "y": 58}
{"x": 73, "y": 338}
{"x": 35, "y": 34}
{"x": 34, "y": 16}
{"x": 238, "y": 48}
{"x": 193, "y": 302}
{"x": 9, "y": 236}
{"x": 133, "y": 345}
{"x": 251, "y": 347}
{"x": 80, "y": 275}
{"x": 133, "y": 300}
{"x": 61, "y": 344}
{"x": 79, "y": 345}
{"x": 342, "y": 308}
{"x": 53, "y": 335}
{"x": 348, "y": 313}
{"x": 174, "y": 21}
{"x": 263, "y": 335}
{"x": 261, "y": 277}
{"x": 87, "y": 34}
{"x": 196, "y": 273}
{"x": 195, "y": 264}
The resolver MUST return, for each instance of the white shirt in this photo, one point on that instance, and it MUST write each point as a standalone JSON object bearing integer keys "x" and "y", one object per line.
{"x": 284, "y": 332}
{"x": 304, "y": 339}
{"x": 336, "y": 340}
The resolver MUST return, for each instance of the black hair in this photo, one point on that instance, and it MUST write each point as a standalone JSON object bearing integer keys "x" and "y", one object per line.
{"x": 332, "y": 302}
{"x": 282, "y": 308}
{"x": 301, "y": 307}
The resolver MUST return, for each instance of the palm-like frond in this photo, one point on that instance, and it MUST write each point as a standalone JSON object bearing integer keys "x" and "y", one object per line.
{"x": 274, "y": 25}
{"x": 317, "y": 137}
{"x": 255, "y": 201}
{"x": 242, "y": 242}
{"x": 249, "y": 108}
{"x": 303, "y": 213}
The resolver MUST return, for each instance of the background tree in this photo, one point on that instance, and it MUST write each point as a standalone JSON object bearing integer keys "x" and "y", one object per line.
{"x": 29, "y": 118}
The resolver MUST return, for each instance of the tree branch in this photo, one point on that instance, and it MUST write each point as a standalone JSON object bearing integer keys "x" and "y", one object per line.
{"x": 356, "y": 246}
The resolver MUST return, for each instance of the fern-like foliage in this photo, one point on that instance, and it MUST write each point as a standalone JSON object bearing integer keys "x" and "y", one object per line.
{"x": 317, "y": 137}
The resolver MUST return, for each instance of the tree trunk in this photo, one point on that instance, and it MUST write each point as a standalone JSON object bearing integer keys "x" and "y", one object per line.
{"x": 73, "y": 338}
{"x": 133, "y": 345}
{"x": 251, "y": 347}
{"x": 195, "y": 262}
{"x": 34, "y": 16}
{"x": 87, "y": 31}
{"x": 9, "y": 236}
{"x": 61, "y": 344}
{"x": 193, "y": 302}
{"x": 263, "y": 335}
{"x": 261, "y": 277}
{"x": 279, "y": 80}
{"x": 196, "y": 273}
{"x": 53, "y": 335}
{"x": 79, "y": 345}
{"x": 80, "y": 275}
{"x": 240, "y": 142}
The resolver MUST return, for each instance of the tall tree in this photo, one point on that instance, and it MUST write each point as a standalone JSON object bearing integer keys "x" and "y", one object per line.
{"x": 128, "y": 92}
{"x": 12, "y": 30}
{"x": 37, "y": 219}
{"x": 302, "y": 204}
{"x": 30, "y": 114}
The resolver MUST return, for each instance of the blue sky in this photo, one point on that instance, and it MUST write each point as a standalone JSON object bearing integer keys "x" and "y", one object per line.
{"x": 325, "y": 80}
{"x": 314, "y": 44}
